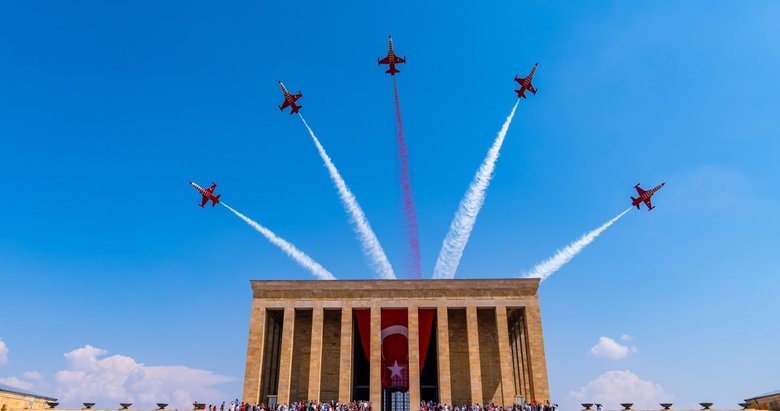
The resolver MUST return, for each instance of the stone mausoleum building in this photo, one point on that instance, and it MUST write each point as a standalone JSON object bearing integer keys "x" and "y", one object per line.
{"x": 12, "y": 398}
{"x": 396, "y": 342}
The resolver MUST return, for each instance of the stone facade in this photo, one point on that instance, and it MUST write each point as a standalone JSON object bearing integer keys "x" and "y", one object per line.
{"x": 20, "y": 402}
{"x": 14, "y": 399}
{"x": 768, "y": 401}
{"x": 488, "y": 340}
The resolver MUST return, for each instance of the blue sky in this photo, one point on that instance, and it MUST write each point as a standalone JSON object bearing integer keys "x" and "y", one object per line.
{"x": 107, "y": 109}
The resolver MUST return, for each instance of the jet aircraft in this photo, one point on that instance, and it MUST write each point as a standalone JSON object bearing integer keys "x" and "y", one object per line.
{"x": 525, "y": 83}
{"x": 289, "y": 100}
{"x": 644, "y": 196}
{"x": 208, "y": 194}
{"x": 391, "y": 58}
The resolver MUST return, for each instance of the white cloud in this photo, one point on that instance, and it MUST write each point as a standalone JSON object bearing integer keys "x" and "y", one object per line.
{"x": 615, "y": 387}
{"x": 16, "y": 383}
{"x": 29, "y": 380}
{"x": 609, "y": 348}
{"x": 33, "y": 376}
{"x": 91, "y": 376}
{"x": 3, "y": 352}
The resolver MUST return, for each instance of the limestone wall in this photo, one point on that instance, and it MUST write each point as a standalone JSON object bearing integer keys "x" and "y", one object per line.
{"x": 13, "y": 401}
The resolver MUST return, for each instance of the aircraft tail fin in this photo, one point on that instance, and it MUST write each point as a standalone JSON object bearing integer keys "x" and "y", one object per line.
{"x": 635, "y": 201}
{"x": 392, "y": 71}
{"x": 215, "y": 200}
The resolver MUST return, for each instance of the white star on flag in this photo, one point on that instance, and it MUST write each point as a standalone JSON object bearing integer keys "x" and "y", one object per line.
{"x": 395, "y": 370}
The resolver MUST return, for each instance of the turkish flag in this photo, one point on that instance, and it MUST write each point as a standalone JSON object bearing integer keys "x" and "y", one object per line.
{"x": 395, "y": 343}
{"x": 395, "y": 350}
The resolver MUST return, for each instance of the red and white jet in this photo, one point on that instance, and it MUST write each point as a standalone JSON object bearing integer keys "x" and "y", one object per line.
{"x": 208, "y": 194}
{"x": 391, "y": 58}
{"x": 525, "y": 83}
{"x": 644, "y": 196}
{"x": 290, "y": 99}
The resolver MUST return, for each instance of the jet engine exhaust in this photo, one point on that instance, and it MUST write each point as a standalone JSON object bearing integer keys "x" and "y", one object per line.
{"x": 549, "y": 266}
{"x": 406, "y": 191}
{"x": 460, "y": 229}
{"x": 372, "y": 249}
{"x": 299, "y": 256}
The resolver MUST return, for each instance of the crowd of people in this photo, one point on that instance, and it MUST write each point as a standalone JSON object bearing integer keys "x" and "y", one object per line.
{"x": 532, "y": 406}
{"x": 295, "y": 406}
{"x": 367, "y": 406}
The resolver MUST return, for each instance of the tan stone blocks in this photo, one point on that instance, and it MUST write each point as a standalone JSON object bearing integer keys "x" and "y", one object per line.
{"x": 489, "y": 362}
{"x": 375, "y": 386}
{"x": 505, "y": 358}
{"x": 443, "y": 345}
{"x": 301, "y": 359}
{"x": 331, "y": 348}
{"x": 345, "y": 373}
{"x": 479, "y": 357}
{"x": 285, "y": 356}
{"x": 475, "y": 369}
{"x": 254, "y": 353}
{"x": 540, "y": 391}
{"x": 414, "y": 357}
{"x": 460, "y": 373}
{"x": 315, "y": 360}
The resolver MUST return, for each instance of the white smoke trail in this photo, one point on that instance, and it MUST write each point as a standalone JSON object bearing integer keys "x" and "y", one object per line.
{"x": 304, "y": 260}
{"x": 371, "y": 247}
{"x": 549, "y": 266}
{"x": 463, "y": 222}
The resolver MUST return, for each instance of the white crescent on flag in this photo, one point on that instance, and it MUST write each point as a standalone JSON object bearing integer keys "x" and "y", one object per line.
{"x": 393, "y": 330}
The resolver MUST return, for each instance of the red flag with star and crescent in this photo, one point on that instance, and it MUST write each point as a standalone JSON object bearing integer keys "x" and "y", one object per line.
{"x": 395, "y": 349}
{"x": 395, "y": 343}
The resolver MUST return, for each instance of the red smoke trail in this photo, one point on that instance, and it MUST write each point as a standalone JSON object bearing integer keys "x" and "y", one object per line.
{"x": 406, "y": 190}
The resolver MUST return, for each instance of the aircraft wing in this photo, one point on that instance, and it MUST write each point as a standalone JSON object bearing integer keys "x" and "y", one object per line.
{"x": 295, "y": 97}
{"x": 284, "y": 105}
{"x": 385, "y": 60}
{"x": 400, "y": 59}
{"x": 639, "y": 190}
{"x": 205, "y": 200}
{"x": 648, "y": 204}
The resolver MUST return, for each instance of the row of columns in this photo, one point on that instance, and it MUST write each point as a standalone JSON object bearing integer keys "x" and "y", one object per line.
{"x": 257, "y": 339}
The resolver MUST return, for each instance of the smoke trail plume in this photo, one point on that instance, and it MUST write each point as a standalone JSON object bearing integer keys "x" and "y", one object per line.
{"x": 304, "y": 260}
{"x": 406, "y": 190}
{"x": 549, "y": 266}
{"x": 371, "y": 247}
{"x": 466, "y": 216}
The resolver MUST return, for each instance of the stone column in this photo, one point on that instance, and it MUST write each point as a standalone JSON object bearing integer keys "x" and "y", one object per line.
{"x": 345, "y": 355}
{"x": 443, "y": 348}
{"x": 540, "y": 391}
{"x": 285, "y": 356}
{"x": 315, "y": 358}
{"x": 254, "y": 353}
{"x": 375, "y": 375}
{"x": 474, "y": 361}
{"x": 414, "y": 357}
{"x": 505, "y": 357}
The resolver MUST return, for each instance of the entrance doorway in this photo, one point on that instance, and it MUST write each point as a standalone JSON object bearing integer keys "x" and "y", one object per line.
{"x": 395, "y": 400}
